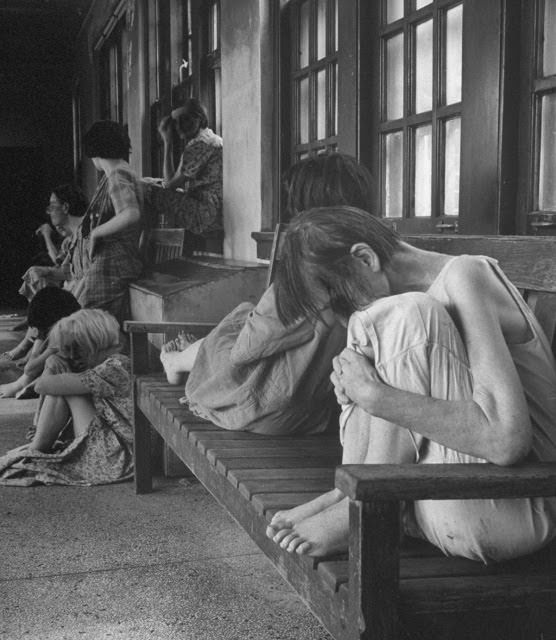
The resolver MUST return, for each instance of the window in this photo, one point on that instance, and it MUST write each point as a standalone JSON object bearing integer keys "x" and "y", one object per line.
{"x": 312, "y": 77}
{"x": 540, "y": 112}
{"x": 211, "y": 76}
{"x": 112, "y": 96}
{"x": 420, "y": 111}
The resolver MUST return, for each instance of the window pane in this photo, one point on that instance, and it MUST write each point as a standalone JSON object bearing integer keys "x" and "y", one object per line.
{"x": 334, "y": 81}
{"x": 394, "y": 77}
{"x": 393, "y": 175}
{"x": 303, "y": 56}
{"x": 547, "y": 168}
{"x": 321, "y": 104}
{"x": 453, "y": 54}
{"x": 423, "y": 171}
{"x": 549, "y": 51}
{"x": 394, "y": 10}
{"x": 423, "y": 67}
{"x": 421, "y": 3}
{"x": 303, "y": 110}
{"x": 321, "y": 29}
{"x": 452, "y": 141}
{"x": 335, "y": 14}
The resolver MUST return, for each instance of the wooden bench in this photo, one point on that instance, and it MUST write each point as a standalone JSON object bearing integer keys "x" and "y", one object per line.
{"x": 383, "y": 589}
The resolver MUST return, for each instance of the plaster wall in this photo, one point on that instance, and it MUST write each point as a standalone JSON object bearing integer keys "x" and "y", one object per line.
{"x": 241, "y": 28}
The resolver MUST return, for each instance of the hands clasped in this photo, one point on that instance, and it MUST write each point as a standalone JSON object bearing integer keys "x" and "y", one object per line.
{"x": 355, "y": 379}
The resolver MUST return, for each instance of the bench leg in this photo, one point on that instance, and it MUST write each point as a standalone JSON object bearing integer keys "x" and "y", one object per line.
{"x": 142, "y": 454}
{"x": 374, "y": 570}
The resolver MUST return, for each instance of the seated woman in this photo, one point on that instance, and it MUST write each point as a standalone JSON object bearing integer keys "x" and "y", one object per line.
{"x": 444, "y": 363}
{"x": 86, "y": 384}
{"x": 66, "y": 210}
{"x": 254, "y": 373}
{"x": 104, "y": 251}
{"x": 197, "y": 206}
{"x": 49, "y": 305}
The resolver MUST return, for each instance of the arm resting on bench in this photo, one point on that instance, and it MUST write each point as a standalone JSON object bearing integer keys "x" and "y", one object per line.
{"x": 442, "y": 481}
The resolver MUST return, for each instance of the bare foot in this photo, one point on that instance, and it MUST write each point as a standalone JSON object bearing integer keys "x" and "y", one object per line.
{"x": 288, "y": 519}
{"x": 9, "y": 390}
{"x": 322, "y": 534}
{"x": 171, "y": 357}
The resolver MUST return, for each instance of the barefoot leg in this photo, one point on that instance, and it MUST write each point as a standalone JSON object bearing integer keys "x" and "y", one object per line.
{"x": 176, "y": 363}
{"x": 52, "y": 418}
{"x": 82, "y": 412}
{"x": 323, "y": 534}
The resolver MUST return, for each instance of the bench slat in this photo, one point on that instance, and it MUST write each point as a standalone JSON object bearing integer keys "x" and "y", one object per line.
{"x": 264, "y": 502}
{"x": 243, "y": 475}
{"x": 252, "y": 488}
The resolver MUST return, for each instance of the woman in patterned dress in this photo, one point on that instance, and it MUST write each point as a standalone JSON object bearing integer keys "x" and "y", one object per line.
{"x": 197, "y": 206}
{"x": 104, "y": 254}
{"x": 86, "y": 385}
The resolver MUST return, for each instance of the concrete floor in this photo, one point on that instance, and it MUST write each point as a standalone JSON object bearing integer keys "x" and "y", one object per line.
{"x": 101, "y": 563}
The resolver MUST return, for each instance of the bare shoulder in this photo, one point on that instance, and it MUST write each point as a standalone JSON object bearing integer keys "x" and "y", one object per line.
{"x": 471, "y": 276}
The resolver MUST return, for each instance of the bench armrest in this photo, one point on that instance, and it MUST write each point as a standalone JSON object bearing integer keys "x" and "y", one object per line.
{"x": 445, "y": 481}
{"x": 197, "y": 328}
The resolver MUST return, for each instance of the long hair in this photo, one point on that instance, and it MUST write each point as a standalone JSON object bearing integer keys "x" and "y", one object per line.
{"x": 74, "y": 197}
{"x": 326, "y": 180}
{"x": 85, "y": 336}
{"x": 316, "y": 267}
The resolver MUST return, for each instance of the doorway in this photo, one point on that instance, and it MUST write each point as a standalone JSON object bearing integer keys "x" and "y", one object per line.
{"x": 22, "y": 209}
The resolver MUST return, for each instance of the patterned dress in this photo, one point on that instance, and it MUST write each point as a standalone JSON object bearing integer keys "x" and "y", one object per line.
{"x": 103, "y": 455}
{"x": 199, "y": 208}
{"x": 103, "y": 282}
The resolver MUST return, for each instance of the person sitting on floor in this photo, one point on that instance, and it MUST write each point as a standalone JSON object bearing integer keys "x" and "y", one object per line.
{"x": 49, "y": 305}
{"x": 445, "y": 363}
{"x": 86, "y": 385}
{"x": 254, "y": 373}
{"x": 66, "y": 209}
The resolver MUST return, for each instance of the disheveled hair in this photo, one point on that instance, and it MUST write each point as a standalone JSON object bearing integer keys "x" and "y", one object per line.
{"x": 73, "y": 196}
{"x": 327, "y": 180}
{"x": 49, "y": 305}
{"x": 191, "y": 118}
{"x": 84, "y": 336}
{"x": 316, "y": 267}
{"x": 107, "y": 139}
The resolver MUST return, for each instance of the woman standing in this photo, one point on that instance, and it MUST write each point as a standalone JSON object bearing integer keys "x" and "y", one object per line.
{"x": 110, "y": 231}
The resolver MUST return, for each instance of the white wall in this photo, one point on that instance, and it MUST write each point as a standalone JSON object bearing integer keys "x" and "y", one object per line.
{"x": 241, "y": 29}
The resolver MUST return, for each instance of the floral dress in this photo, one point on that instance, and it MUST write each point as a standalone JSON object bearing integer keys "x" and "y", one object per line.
{"x": 103, "y": 455}
{"x": 198, "y": 207}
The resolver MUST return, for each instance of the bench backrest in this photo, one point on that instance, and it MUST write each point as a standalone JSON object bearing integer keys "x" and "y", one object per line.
{"x": 529, "y": 262}
{"x": 164, "y": 244}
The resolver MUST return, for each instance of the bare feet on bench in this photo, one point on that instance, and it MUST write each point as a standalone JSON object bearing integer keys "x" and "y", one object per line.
{"x": 322, "y": 534}
{"x": 175, "y": 359}
{"x": 286, "y": 522}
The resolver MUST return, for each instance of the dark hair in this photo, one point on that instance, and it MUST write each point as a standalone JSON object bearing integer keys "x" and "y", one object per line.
{"x": 192, "y": 118}
{"x": 107, "y": 139}
{"x": 48, "y": 306}
{"x": 327, "y": 180}
{"x": 73, "y": 196}
{"x": 316, "y": 266}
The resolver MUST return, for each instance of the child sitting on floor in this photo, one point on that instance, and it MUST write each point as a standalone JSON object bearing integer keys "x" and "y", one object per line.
{"x": 45, "y": 309}
{"x": 252, "y": 372}
{"x": 87, "y": 383}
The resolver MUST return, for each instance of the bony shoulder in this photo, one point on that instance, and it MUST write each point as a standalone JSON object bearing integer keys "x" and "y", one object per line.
{"x": 468, "y": 271}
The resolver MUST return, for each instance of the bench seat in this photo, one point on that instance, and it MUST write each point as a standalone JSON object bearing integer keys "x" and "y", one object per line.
{"x": 253, "y": 476}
